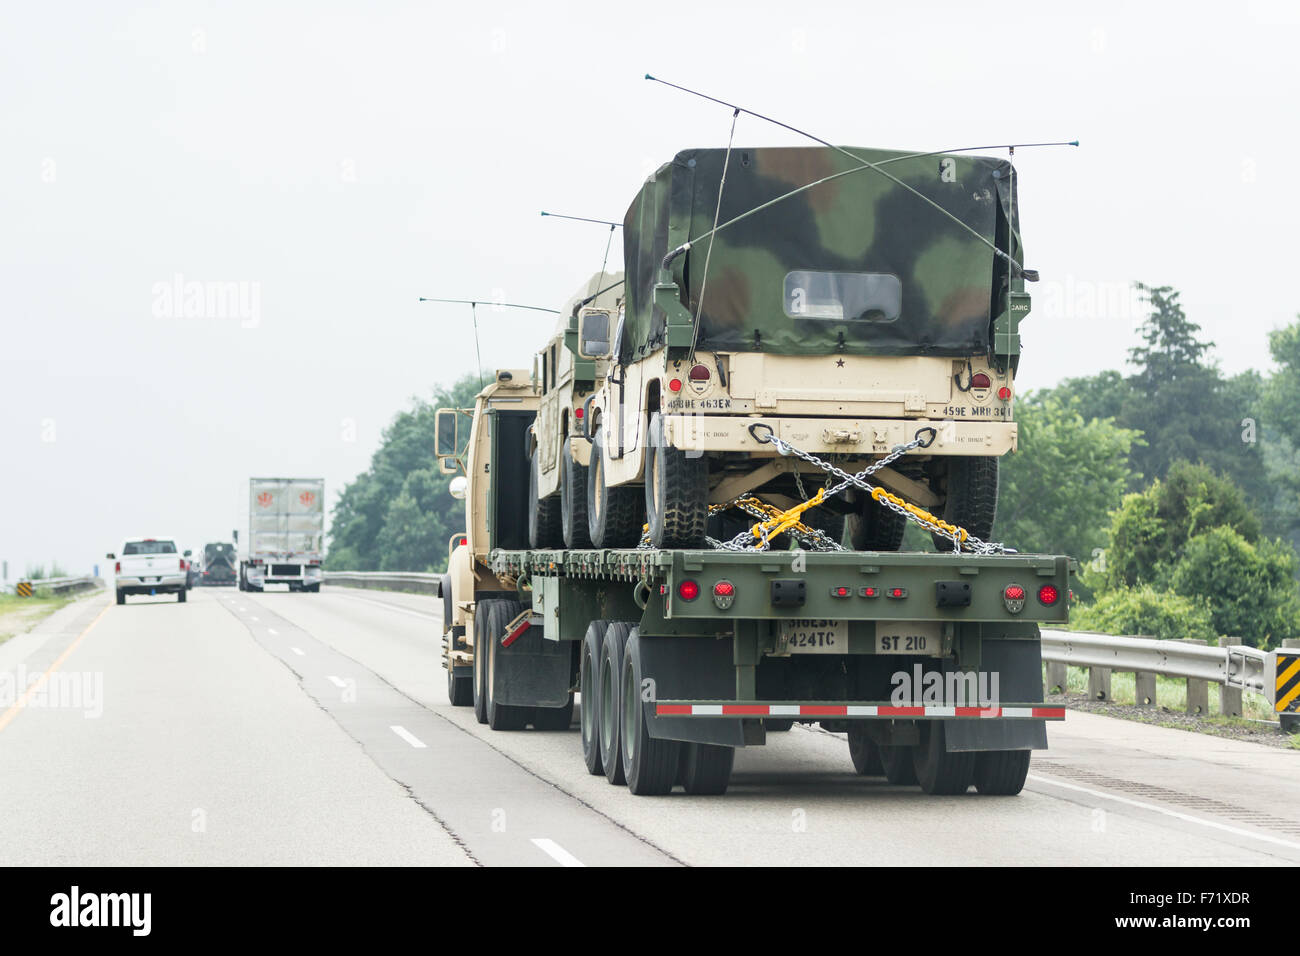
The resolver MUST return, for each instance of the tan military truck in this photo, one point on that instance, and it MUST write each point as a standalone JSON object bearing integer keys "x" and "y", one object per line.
{"x": 859, "y": 313}
{"x": 558, "y": 451}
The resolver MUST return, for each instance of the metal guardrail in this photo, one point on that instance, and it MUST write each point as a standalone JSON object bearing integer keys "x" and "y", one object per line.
{"x": 416, "y": 582}
{"x": 1235, "y": 668}
{"x": 69, "y": 585}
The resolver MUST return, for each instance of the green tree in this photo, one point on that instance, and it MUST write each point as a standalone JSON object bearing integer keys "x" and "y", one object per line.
{"x": 1057, "y": 490}
{"x": 1280, "y": 430}
{"x": 1146, "y": 611}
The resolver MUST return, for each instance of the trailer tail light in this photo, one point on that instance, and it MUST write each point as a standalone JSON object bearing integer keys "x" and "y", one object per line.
{"x": 870, "y": 592}
{"x": 896, "y": 593}
{"x": 674, "y": 385}
{"x": 1048, "y": 595}
{"x": 462, "y": 542}
{"x": 699, "y": 373}
{"x": 688, "y": 590}
{"x": 840, "y": 592}
{"x": 724, "y": 594}
{"x": 1013, "y": 596}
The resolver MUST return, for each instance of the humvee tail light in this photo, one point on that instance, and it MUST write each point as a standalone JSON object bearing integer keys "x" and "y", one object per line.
{"x": 699, "y": 373}
{"x": 688, "y": 590}
{"x": 1048, "y": 595}
{"x": 674, "y": 385}
{"x": 1004, "y": 393}
{"x": 980, "y": 380}
{"x": 577, "y": 412}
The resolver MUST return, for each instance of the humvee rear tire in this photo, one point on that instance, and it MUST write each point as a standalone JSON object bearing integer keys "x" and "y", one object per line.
{"x": 573, "y": 500}
{"x": 875, "y": 527}
{"x": 613, "y": 513}
{"x": 543, "y": 514}
{"x": 676, "y": 492}
{"x": 971, "y": 497}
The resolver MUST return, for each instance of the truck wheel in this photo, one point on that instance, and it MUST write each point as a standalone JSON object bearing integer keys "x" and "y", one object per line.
{"x": 875, "y": 527}
{"x": 649, "y": 763}
{"x": 573, "y": 501}
{"x": 939, "y": 771}
{"x": 676, "y": 492}
{"x": 706, "y": 768}
{"x": 501, "y": 716}
{"x": 613, "y": 512}
{"x": 897, "y": 764}
{"x": 180, "y": 596}
{"x": 543, "y": 514}
{"x": 121, "y": 597}
{"x": 827, "y": 522}
{"x": 611, "y": 679}
{"x": 589, "y": 687}
{"x": 480, "y": 663}
{"x": 971, "y": 497}
{"x": 553, "y": 718}
{"x": 864, "y": 753}
{"x": 460, "y": 690}
{"x": 1001, "y": 773}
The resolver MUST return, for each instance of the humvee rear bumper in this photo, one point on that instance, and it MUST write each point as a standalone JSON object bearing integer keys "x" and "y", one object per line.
{"x": 845, "y": 436}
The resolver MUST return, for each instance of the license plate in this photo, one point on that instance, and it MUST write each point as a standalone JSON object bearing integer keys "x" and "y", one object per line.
{"x": 799, "y": 636}
{"x": 909, "y": 637}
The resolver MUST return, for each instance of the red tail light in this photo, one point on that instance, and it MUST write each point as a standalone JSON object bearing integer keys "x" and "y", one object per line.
{"x": 117, "y": 567}
{"x": 698, "y": 373}
{"x": 980, "y": 380}
{"x": 688, "y": 590}
{"x": 1048, "y": 595}
{"x": 577, "y": 412}
{"x": 1004, "y": 393}
{"x": 724, "y": 589}
{"x": 674, "y": 385}
{"x": 462, "y": 542}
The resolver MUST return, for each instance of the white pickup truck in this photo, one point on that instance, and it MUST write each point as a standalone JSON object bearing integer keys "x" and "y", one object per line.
{"x": 150, "y": 566}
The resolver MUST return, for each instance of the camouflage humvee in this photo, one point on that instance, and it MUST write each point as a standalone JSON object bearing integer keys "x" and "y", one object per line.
{"x": 847, "y": 317}
{"x": 557, "y": 449}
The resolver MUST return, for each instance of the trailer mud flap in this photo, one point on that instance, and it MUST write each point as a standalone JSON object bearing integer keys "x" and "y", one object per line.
{"x": 533, "y": 672}
{"x": 995, "y": 734}
{"x": 1017, "y": 662}
{"x": 690, "y": 668}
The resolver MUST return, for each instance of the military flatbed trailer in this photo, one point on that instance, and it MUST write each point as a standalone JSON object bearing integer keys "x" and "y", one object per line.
{"x": 930, "y": 662}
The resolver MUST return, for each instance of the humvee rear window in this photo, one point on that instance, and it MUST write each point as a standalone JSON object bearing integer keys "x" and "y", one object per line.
{"x": 843, "y": 296}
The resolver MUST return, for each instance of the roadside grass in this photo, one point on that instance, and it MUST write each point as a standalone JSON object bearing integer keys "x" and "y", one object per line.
{"x": 20, "y": 614}
{"x": 1171, "y": 694}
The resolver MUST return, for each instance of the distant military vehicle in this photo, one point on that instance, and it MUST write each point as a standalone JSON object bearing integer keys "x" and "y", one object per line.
{"x": 219, "y": 564}
{"x": 558, "y": 451}
{"x": 847, "y": 319}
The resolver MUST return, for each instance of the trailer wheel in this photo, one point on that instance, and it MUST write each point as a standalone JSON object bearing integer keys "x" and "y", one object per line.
{"x": 1001, "y": 773}
{"x": 971, "y": 497}
{"x": 875, "y": 527}
{"x": 864, "y": 753}
{"x": 611, "y": 674}
{"x": 649, "y": 763}
{"x": 553, "y": 718}
{"x": 480, "y": 663}
{"x": 573, "y": 500}
{"x": 121, "y": 597}
{"x": 589, "y": 687}
{"x": 676, "y": 492}
{"x": 706, "y": 768}
{"x": 501, "y": 716}
{"x": 939, "y": 771}
{"x": 543, "y": 513}
{"x": 897, "y": 764}
{"x": 613, "y": 512}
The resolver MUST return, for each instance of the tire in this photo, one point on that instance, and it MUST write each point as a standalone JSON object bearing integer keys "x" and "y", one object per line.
{"x": 706, "y": 769}
{"x": 501, "y": 716}
{"x": 240, "y": 581}
{"x": 460, "y": 690}
{"x": 649, "y": 764}
{"x": 181, "y": 596}
{"x": 553, "y": 718}
{"x": 613, "y": 513}
{"x": 864, "y": 753}
{"x": 938, "y": 771}
{"x": 875, "y": 527}
{"x": 1001, "y": 773}
{"x": 611, "y": 679}
{"x": 573, "y": 500}
{"x": 897, "y": 765}
{"x": 543, "y": 514}
{"x": 676, "y": 492}
{"x": 121, "y": 597}
{"x": 589, "y": 686}
{"x": 778, "y": 725}
{"x": 827, "y": 522}
{"x": 313, "y": 589}
{"x": 971, "y": 497}
{"x": 480, "y": 664}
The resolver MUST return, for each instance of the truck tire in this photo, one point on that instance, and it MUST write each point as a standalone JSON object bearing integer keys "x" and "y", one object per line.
{"x": 181, "y": 596}
{"x": 875, "y": 528}
{"x": 827, "y": 522}
{"x": 939, "y": 771}
{"x": 706, "y": 768}
{"x": 589, "y": 687}
{"x": 480, "y": 663}
{"x": 553, "y": 718}
{"x": 613, "y": 513}
{"x": 543, "y": 513}
{"x": 676, "y": 492}
{"x": 460, "y": 690}
{"x": 611, "y": 710}
{"x": 573, "y": 501}
{"x": 1001, "y": 773}
{"x": 501, "y": 716}
{"x": 864, "y": 753}
{"x": 971, "y": 497}
{"x": 897, "y": 765}
{"x": 649, "y": 763}
{"x": 121, "y": 597}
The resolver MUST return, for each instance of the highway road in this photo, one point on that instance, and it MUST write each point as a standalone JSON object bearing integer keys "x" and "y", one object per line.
{"x": 314, "y": 729}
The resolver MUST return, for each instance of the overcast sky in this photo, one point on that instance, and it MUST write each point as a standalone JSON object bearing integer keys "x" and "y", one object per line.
{"x": 340, "y": 160}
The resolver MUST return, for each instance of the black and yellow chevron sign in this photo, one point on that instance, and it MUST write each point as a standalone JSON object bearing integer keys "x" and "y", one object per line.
{"x": 24, "y": 588}
{"x": 1287, "y": 698}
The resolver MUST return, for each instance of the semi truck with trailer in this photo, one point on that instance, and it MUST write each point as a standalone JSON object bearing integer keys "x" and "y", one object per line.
{"x": 286, "y": 530}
